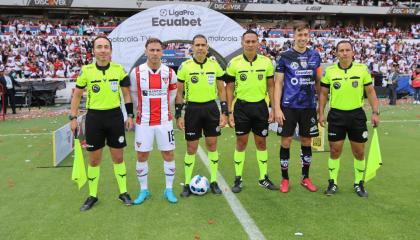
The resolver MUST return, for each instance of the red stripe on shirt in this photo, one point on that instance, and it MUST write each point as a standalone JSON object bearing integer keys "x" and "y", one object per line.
{"x": 139, "y": 97}
{"x": 155, "y": 82}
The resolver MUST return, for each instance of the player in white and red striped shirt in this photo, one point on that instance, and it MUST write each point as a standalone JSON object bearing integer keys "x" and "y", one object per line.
{"x": 154, "y": 88}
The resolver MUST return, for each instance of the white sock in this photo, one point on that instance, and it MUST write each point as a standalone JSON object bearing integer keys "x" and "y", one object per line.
{"x": 142, "y": 169}
{"x": 169, "y": 169}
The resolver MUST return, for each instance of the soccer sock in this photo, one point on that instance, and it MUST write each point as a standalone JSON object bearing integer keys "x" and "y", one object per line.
{"x": 239, "y": 158}
{"x": 189, "y": 161}
{"x": 359, "y": 170}
{"x": 284, "y": 162}
{"x": 169, "y": 169}
{"x": 262, "y": 157}
{"x": 306, "y": 158}
{"x": 121, "y": 175}
{"x": 333, "y": 167}
{"x": 93, "y": 177}
{"x": 214, "y": 163}
{"x": 142, "y": 169}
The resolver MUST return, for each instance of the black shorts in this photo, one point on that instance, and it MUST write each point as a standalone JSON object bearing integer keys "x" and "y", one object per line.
{"x": 104, "y": 125}
{"x": 305, "y": 117}
{"x": 352, "y": 122}
{"x": 251, "y": 116}
{"x": 201, "y": 117}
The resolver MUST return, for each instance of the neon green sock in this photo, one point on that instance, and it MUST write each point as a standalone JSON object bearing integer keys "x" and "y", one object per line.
{"x": 239, "y": 158}
{"x": 262, "y": 157}
{"x": 359, "y": 170}
{"x": 333, "y": 167}
{"x": 213, "y": 163}
{"x": 93, "y": 177}
{"x": 189, "y": 161}
{"x": 121, "y": 175}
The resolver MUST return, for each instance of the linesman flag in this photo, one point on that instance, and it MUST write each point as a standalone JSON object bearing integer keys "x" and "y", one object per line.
{"x": 374, "y": 159}
{"x": 79, "y": 171}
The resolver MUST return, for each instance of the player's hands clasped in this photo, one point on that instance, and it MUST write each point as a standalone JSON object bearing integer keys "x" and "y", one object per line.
{"x": 222, "y": 121}
{"x": 231, "y": 121}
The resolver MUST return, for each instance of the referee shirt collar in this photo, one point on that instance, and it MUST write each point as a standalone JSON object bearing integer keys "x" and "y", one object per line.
{"x": 345, "y": 69}
{"x": 200, "y": 63}
{"x": 253, "y": 60}
{"x": 102, "y": 68}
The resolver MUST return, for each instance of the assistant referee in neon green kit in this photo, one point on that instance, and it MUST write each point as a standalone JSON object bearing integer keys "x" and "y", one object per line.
{"x": 104, "y": 120}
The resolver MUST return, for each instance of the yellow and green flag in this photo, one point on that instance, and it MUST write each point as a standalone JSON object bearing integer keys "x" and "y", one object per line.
{"x": 374, "y": 160}
{"x": 79, "y": 171}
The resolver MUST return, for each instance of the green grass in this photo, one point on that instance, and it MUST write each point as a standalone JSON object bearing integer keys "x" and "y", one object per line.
{"x": 42, "y": 203}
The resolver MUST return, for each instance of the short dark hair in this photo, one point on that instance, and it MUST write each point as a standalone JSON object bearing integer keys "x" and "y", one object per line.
{"x": 199, "y": 36}
{"x": 342, "y": 42}
{"x": 102, "y": 37}
{"x": 299, "y": 26}
{"x": 153, "y": 40}
{"x": 249, "y": 31}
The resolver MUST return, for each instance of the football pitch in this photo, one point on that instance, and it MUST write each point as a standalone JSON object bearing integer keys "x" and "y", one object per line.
{"x": 41, "y": 202}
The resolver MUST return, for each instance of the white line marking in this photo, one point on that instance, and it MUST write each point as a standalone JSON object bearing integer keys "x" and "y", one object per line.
{"x": 397, "y": 121}
{"x": 24, "y": 134}
{"x": 241, "y": 214}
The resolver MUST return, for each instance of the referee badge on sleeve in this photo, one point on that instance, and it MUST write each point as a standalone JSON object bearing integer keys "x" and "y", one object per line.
{"x": 114, "y": 86}
{"x": 210, "y": 79}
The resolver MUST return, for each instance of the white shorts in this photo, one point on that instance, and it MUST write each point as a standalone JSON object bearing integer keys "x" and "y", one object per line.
{"x": 145, "y": 135}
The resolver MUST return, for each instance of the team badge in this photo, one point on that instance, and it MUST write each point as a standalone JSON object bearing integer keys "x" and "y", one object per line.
{"x": 337, "y": 85}
{"x": 194, "y": 79}
{"x": 313, "y": 120}
{"x": 138, "y": 144}
{"x": 242, "y": 77}
{"x": 96, "y": 88}
{"x": 304, "y": 64}
{"x": 114, "y": 86}
{"x": 294, "y": 81}
{"x": 210, "y": 79}
{"x": 121, "y": 139}
{"x": 166, "y": 80}
{"x": 294, "y": 65}
{"x": 260, "y": 76}
{"x": 355, "y": 84}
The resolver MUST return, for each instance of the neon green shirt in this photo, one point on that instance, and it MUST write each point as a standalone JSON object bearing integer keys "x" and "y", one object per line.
{"x": 102, "y": 85}
{"x": 200, "y": 79}
{"x": 346, "y": 85}
{"x": 250, "y": 77}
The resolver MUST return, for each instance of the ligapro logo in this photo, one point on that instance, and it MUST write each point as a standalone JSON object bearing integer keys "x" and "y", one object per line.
{"x": 177, "y": 18}
{"x": 172, "y": 12}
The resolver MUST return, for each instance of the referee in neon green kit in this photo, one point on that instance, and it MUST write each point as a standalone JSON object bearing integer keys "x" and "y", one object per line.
{"x": 104, "y": 120}
{"x": 346, "y": 81}
{"x": 249, "y": 75}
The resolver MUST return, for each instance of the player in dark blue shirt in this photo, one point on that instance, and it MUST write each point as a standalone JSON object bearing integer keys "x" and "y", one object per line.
{"x": 296, "y": 83}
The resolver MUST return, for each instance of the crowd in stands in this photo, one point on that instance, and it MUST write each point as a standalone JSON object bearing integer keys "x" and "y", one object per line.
{"x": 49, "y": 52}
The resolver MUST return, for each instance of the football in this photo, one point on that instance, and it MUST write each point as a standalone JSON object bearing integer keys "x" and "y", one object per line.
{"x": 199, "y": 185}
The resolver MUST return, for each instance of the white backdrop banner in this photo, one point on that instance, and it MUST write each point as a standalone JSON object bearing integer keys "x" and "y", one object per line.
{"x": 174, "y": 23}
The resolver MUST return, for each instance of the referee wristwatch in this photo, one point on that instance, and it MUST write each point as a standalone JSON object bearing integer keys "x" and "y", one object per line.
{"x": 72, "y": 117}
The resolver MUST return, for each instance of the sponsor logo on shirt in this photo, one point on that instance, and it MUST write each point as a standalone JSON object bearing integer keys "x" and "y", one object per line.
{"x": 154, "y": 93}
{"x": 304, "y": 72}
